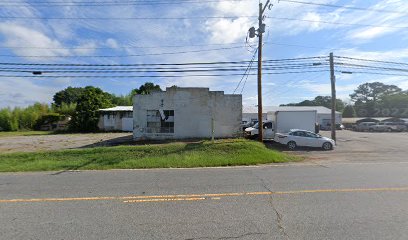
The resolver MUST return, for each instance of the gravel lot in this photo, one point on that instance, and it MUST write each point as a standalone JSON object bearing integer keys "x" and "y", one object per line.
{"x": 351, "y": 146}
{"x": 61, "y": 141}
{"x": 364, "y": 146}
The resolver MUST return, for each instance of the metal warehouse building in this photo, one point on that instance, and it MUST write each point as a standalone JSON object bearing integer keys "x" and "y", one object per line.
{"x": 180, "y": 113}
{"x": 323, "y": 113}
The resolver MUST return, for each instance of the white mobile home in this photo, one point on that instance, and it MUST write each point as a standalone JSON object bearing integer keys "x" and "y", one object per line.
{"x": 180, "y": 113}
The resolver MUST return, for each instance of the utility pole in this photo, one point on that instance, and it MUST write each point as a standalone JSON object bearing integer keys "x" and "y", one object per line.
{"x": 260, "y": 125}
{"x": 333, "y": 98}
{"x": 252, "y": 34}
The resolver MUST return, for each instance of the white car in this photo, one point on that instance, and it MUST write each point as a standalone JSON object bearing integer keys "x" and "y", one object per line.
{"x": 302, "y": 138}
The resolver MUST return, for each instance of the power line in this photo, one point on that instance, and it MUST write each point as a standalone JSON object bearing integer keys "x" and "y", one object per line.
{"x": 339, "y": 23}
{"x": 123, "y": 47}
{"x": 376, "y": 73}
{"x": 154, "y": 71}
{"x": 159, "y": 46}
{"x": 120, "y": 56}
{"x": 250, "y": 69}
{"x": 292, "y": 60}
{"x": 156, "y": 76}
{"x": 126, "y": 18}
{"x": 246, "y": 70}
{"x": 372, "y": 60}
{"x": 345, "y": 7}
{"x": 110, "y": 3}
{"x": 360, "y": 66}
{"x": 139, "y": 68}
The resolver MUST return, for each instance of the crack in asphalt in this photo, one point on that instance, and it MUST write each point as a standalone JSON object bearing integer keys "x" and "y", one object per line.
{"x": 279, "y": 216}
{"x": 235, "y": 237}
{"x": 319, "y": 164}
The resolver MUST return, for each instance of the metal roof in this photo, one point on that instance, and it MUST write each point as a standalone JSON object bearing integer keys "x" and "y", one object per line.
{"x": 118, "y": 109}
{"x": 265, "y": 109}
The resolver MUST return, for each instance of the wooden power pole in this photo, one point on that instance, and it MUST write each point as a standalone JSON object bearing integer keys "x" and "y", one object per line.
{"x": 261, "y": 30}
{"x": 260, "y": 124}
{"x": 333, "y": 98}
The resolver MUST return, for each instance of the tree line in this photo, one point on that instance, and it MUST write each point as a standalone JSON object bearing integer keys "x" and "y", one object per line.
{"x": 81, "y": 104}
{"x": 373, "y": 99}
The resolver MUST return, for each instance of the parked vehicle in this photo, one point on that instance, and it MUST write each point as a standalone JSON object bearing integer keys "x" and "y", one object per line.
{"x": 284, "y": 121}
{"x": 396, "y": 126}
{"x": 327, "y": 127}
{"x": 364, "y": 126}
{"x": 248, "y": 124}
{"x": 380, "y": 127}
{"x": 302, "y": 138}
{"x": 387, "y": 127}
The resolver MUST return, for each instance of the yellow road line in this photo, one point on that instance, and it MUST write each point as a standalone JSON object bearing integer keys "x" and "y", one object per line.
{"x": 164, "y": 200}
{"x": 215, "y": 196}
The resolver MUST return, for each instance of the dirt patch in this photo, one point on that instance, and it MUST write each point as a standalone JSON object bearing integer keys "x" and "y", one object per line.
{"x": 61, "y": 141}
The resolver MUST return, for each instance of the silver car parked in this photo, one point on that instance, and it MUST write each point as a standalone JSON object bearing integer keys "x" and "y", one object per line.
{"x": 364, "y": 126}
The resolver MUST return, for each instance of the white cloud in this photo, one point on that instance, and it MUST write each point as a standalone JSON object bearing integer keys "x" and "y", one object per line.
{"x": 231, "y": 30}
{"x": 369, "y": 33}
{"x": 22, "y": 92}
{"x": 17, "y": 35}
{"x": 112, "y": 43}
{"x": 390, "y": 55}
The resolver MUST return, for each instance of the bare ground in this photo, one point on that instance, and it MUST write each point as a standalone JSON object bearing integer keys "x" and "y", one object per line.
{"x": 351, "y": 146}
{"x": 61, "y": 141}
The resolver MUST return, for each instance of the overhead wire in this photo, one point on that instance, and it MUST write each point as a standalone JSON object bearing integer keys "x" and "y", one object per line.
{"x": 371, "y": 60}
{"x": 342, "y": 6}
{"x": 291, "y": 60}
{"x": 188, "y": 45}
{"x": 155, "y": 71}
{"x": 119, "y": 56}
{"x": 246, "y": 70}
{"x": 109, "y": 3}
{"x": 126, "y": 18}
{"x": 155, "y": 76}
{"x": 246, "y": 78}
{"x": 338, "y": 23}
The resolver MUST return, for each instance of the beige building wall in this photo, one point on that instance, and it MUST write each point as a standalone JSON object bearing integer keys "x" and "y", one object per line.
{"x": 196, "y": 110}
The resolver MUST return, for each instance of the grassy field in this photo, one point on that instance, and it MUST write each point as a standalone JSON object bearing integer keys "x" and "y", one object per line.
{"x": 171, "y": 155}
{"x": 25, "y": 133}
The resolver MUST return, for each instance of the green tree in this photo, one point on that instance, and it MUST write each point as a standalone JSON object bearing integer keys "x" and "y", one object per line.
{"x": 6, "y": 120}
{"x": 86, "y": 116}
{"x": 146, "y": 88}
{"x": 65, "y": 109}
{"x": 121, "y": 100}
{"x": 324, "y": 101}
{"x": 349, "y": 111}
{"x": 395, "y": 105}
{"x": 368, "y": 98}
{"x": 68, "y": 95}
{"x": 374, "y": 91}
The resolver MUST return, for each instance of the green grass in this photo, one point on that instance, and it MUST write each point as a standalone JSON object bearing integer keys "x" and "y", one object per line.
{"x": 25, "y": 133}
{"x": 171, "y": 155}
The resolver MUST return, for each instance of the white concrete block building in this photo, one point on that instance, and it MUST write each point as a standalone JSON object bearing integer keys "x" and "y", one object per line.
{"x": 180, "y": 113}
{"x": 118, "y": 118}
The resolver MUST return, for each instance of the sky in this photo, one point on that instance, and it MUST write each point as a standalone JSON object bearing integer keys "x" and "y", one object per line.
{"x": 109, "y": 32}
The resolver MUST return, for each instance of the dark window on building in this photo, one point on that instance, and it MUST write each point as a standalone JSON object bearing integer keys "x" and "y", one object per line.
{"x": 160, "y": 122}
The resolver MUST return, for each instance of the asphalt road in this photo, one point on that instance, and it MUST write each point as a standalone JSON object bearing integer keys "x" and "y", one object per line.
{"x": 337, "y": 200}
